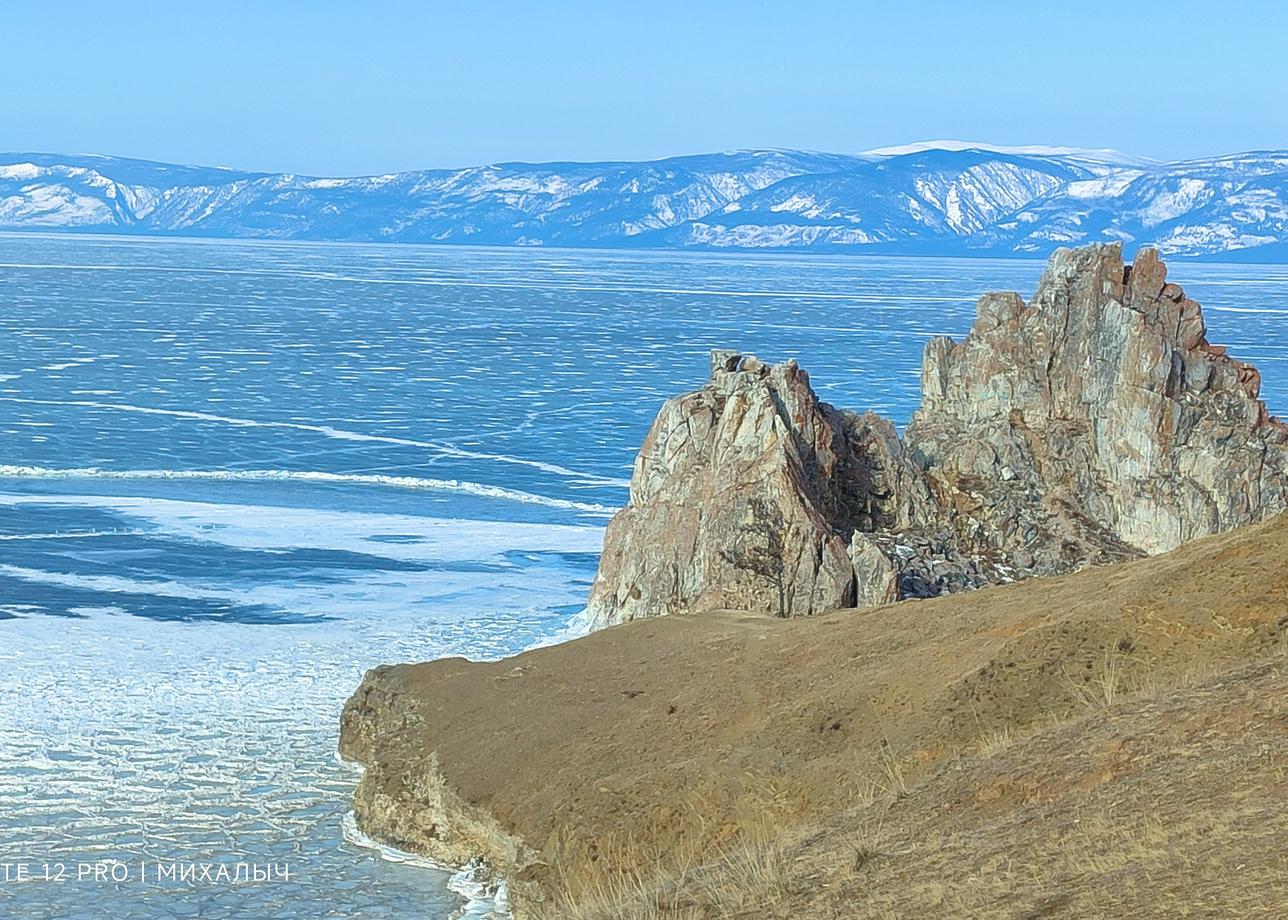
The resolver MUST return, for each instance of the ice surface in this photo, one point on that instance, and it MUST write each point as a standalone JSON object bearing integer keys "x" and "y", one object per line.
{"x": 130, "y": 738}
{"x": 236, "y": 476}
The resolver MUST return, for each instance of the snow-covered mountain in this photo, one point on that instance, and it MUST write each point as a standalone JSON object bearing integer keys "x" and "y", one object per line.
{"x": 941, "y": 197}
{"x": 916, "y": 197}
{"x": 1225, "y": 205}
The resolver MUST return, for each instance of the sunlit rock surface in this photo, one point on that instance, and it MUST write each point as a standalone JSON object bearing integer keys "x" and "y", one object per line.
{"x": 1094, "y": 423}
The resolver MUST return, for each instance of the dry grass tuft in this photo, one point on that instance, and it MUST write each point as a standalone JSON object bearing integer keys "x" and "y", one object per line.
{"x": 868, "y": 847}
{"x": 1118, "y": 674}
{"x": 628, "y": 880}
{"x": 752, "y": 875}
{"x": 895, "y": 783}
{"x": 995, "y": 740}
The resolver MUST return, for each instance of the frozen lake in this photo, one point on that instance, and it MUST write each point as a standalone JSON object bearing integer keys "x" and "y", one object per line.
{"x": 233, "y": 476}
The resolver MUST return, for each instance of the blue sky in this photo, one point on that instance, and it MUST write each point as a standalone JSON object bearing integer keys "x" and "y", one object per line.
{"x": 345, "y": 88}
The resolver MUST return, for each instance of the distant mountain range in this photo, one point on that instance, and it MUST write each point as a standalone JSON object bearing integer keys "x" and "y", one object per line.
{"x": 936, "y": 198}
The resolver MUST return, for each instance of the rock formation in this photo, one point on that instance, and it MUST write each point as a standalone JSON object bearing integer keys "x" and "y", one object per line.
{"x": 745, "y": 495}
{"x": 1094, "y": 423}
{"x": 404, "y": 799}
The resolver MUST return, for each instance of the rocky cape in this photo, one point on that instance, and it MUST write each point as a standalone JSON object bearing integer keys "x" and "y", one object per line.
{"x": 1094, "y": 423}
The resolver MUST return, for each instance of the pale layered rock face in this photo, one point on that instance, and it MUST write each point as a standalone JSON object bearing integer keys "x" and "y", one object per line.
{"x": 1092, "y": 424}
{"x": 1095, "y": 422}
{"x": 745, "y": 495}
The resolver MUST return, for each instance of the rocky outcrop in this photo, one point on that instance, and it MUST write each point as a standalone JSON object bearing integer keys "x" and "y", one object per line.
{"x": 1095, "y": 422}
{"x": 745, "y": 495}
{"x": 1092, "y": 424}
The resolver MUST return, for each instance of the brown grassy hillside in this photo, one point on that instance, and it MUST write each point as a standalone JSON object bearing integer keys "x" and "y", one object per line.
{"x": 1108, "y": 743}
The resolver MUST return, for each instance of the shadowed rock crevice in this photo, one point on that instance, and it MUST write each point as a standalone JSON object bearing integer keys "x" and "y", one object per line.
{"x": 1092, "y": 424}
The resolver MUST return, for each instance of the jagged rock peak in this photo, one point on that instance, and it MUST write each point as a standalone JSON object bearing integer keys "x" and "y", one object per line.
{"x": 1091, "y": 424}
{"x": 745, "y": 494}
{"x": 1096, "y": 421}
